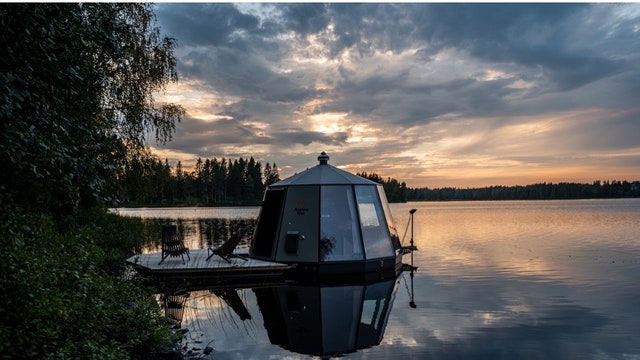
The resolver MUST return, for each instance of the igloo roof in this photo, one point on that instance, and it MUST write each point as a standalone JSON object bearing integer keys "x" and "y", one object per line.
{"x": 326, "y": 220}
{"x": 323, "y": 173}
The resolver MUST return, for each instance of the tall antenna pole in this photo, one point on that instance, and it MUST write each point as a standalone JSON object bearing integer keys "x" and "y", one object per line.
{"x": 412, "y": 211}
{"x": 412, "y": 303}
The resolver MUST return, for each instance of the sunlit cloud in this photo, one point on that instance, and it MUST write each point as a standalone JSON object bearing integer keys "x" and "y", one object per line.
{"x": 430, "y": 94}
{"x": 187, "y": 160}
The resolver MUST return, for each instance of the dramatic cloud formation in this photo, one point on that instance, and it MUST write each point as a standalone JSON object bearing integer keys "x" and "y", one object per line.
{"x": 431, "y": 94}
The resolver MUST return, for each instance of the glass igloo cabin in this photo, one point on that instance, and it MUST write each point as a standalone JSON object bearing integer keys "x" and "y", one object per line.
{"x": 325, "y": 220}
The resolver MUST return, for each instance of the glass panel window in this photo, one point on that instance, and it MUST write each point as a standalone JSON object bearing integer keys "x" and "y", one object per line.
{"x": 375, "y": 235}
{"x": 268, "y": 221}
{"x": 387, "y": 214}
{"x": 341, "y": 307}
{"x": 339, "y": 235}
{"x": 368, "y": 216}
{"x": 375, "y": 313}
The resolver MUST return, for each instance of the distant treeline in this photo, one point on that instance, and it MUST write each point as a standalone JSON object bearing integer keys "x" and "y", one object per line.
{"x": 216, "y": 182}
{"x": 543, "y": 191}
{"x": 394, "y": 190}
{"x": 213, "y": 182}
{"x": 399, "y": 192}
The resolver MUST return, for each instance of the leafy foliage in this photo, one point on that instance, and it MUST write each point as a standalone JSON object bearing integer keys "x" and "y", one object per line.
{"x": 76, "y": 101}
{"x": 77, "y": 84}
{"x": 62, "y": 291}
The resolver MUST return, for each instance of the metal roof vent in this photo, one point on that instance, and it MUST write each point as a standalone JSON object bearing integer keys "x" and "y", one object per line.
{"x": 323, "y": 158}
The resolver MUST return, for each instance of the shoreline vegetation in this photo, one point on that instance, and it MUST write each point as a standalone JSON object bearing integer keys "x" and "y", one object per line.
{"x": 76, "y": 107}
{"x": 242, "y": 182}
{"x": 66, "y": 292}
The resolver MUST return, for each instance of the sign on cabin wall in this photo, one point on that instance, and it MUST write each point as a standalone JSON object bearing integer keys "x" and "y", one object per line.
{"x": 300, "y": 215}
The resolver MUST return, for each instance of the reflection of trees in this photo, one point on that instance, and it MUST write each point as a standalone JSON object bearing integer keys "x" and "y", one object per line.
{"x": 326, "y": 246}
{"x": 193, "y": 311}
{"x": 202, "y": 233}
{"x": 216, "y": 231}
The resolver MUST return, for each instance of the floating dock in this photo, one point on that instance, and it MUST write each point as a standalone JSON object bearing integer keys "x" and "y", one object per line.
{"x": 215, "y": 268}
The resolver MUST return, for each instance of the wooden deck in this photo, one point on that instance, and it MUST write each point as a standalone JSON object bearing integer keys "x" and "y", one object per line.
{"x": 198, "y": 266}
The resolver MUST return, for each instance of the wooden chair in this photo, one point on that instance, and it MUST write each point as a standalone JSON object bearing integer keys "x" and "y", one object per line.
{"x": 173, "y": 305}
{"x": 231, "y": 297}
{"x": 225, "y": 250}
{"x": 172, "y": 244}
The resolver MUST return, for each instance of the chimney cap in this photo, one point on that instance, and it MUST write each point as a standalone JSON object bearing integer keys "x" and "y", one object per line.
{"x": 323, "y": 158}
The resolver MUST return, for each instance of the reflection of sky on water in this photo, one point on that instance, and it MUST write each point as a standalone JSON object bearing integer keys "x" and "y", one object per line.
{"x": 505, "y": 281}
{"x": 192, "y": 213}
{"x": 510, "y": 280}
{"x": 585, "y": 244}
{"x": 473, "y": 321}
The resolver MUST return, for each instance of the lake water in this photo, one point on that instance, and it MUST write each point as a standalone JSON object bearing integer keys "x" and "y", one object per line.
{"x": 496, "y": 280}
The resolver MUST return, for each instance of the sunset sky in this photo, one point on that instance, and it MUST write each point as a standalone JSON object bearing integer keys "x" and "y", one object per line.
{"x": 435, "y": 95}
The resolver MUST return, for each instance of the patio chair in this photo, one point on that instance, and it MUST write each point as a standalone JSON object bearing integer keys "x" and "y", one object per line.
{"x": 173, "y": 305}
{"x": 225, "y": 251}
{"x": 172, "y": 244}
{"x": 231, "y": 297}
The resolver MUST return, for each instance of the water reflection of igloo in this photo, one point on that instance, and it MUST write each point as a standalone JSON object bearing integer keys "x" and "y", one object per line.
{"x": 326, "y": 320}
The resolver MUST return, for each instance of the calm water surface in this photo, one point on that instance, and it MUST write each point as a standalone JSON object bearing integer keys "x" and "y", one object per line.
{"x": 496, "y": 280}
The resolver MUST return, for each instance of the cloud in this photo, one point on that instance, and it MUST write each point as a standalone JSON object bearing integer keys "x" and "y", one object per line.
{"x": 205, "y": 24}
{"x": 305, "y": 19}
{"x": 407, "y": 84}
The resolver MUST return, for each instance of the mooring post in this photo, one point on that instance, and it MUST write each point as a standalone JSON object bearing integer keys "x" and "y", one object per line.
{"x": 412, "y": 211}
